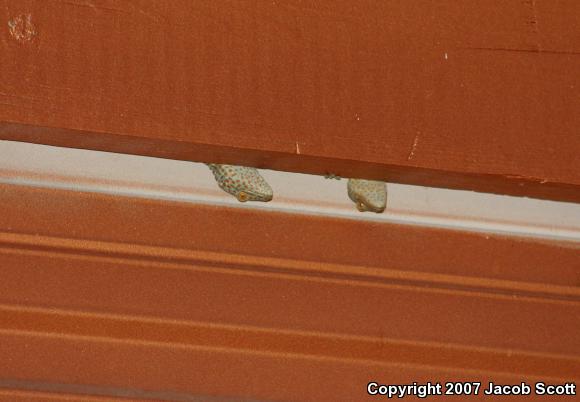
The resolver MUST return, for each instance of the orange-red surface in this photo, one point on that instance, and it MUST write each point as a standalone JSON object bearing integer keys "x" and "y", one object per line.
{"x": 478, "y": 95}
{"x": 116, "y": 294}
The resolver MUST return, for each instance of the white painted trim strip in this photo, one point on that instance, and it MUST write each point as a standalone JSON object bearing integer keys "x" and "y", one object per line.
{"x": 136, "y": 176}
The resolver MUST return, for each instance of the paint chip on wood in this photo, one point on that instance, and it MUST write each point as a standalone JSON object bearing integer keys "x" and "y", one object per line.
{"x": 21, "y": 28}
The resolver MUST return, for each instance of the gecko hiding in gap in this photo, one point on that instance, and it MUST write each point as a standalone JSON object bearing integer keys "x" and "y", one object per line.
{"x": 244, "y": 183}
{"x": 368, "y": 195}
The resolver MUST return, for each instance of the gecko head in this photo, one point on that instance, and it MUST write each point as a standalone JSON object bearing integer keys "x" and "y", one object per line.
{"x": 255, "y": 189}
{"x": 244, "y": 183}
{"x": 368, "y": 195}
{"x": 264, "y": 194}
{"x": 364, "y": 205}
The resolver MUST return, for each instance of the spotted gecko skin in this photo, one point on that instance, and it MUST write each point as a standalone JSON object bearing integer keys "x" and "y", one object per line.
{"x": 244, "y": 183}
{"x": 368, "y": 195}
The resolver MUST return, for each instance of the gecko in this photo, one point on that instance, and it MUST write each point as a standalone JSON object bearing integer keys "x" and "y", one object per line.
{"x": 368, "y": 195}
{"x": 244, "y": 183}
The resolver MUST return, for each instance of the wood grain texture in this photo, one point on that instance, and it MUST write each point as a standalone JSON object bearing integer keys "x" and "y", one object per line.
{"x": 19, "y": 395}
{"x": 125, "y": 293}
{"x": 471, "y": 95}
